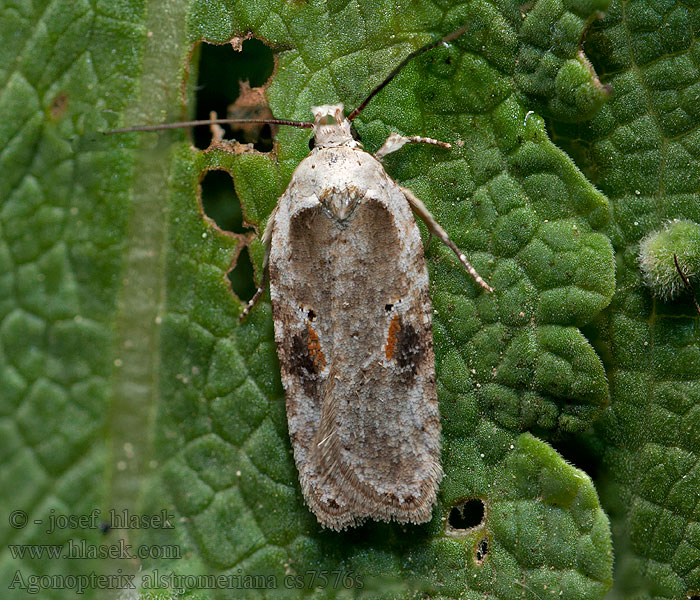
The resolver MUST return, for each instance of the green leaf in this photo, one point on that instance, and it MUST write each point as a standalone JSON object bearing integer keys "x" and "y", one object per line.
{"x": 551, "y": 68}
{"x": 127, "y": 381}
{"x": 641, "y": 150}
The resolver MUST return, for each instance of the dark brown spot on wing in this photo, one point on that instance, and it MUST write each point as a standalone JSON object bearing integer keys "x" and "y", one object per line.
{"x": 409, "y": 349}
{"x": 306, "y": 358}
{"x": 301, "y": 362}
{"x": 404, "y": 345}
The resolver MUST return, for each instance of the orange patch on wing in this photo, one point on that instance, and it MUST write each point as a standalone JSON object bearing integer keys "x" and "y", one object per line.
{"x": 315, "y": 348}
{"x": 393, "y": 337}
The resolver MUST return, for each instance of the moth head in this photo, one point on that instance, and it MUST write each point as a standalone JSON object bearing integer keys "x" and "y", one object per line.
{"x": 331, "y": 128}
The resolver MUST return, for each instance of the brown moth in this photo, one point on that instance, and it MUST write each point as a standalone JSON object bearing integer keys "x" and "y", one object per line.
{"x": 353, "y": 325}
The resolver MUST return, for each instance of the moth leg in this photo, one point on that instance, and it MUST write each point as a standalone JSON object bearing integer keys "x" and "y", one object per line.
{"x": 434, "y": 227}
{"x": 266, "y": 240}
{"x": 396, "y": 141}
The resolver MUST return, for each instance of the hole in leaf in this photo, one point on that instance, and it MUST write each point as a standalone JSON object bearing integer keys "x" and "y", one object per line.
{"x": 219, "y": 85}
{"x": 466, "y": 515}
{"x": 220, "y": 203}
{"x": 482, "y": 549}
{"x": 241, "y": 277}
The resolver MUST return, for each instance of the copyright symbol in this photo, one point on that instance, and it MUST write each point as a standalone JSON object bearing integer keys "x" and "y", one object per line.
{"x": 18, "y": 519}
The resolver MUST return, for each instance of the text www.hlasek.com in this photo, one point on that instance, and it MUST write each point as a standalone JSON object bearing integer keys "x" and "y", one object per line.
{"x": 76, "y": 550}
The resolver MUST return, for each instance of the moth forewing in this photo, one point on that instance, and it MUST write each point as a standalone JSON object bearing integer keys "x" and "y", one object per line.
{"x": 352, "y": 313}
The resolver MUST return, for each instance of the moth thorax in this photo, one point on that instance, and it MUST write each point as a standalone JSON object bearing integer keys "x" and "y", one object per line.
{"x": 340, "y": 203}
{"x": 328, "y": 134}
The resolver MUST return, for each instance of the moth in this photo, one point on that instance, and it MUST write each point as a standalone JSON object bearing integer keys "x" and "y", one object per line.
{"x": 353, "y": 324}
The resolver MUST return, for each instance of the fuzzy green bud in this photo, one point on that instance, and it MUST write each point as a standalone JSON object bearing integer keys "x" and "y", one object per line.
{"x": 656, "y": 252}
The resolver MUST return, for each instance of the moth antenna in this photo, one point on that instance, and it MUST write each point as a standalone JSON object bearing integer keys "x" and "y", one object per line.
{"x": 448, "y": 38}
{"x": 183, "y": 124}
